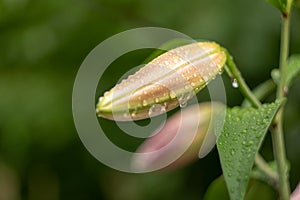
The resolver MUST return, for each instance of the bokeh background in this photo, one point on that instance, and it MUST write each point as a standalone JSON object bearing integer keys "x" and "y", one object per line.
{"x": 42, "y": 45}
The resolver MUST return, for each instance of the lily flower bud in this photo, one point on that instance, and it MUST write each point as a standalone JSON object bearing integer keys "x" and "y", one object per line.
{"x": 296, "y": 194}
{"x": 163, "y": 84}
{"x": 162, "y": 145}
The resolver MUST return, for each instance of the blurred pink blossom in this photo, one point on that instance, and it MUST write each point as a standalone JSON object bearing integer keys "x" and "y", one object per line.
{"x": 296, "y": 194}
{"x": 202, "y": 144}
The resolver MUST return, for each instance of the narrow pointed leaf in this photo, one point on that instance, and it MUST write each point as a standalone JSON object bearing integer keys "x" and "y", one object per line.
{"x": 239, "y": 141}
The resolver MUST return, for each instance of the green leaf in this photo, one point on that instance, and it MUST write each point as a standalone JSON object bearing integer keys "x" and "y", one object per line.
{"x": 279, "y": 4}
{"x": 239, "y": 141}
{"x": 293, "y": 69}
{"x": 255, "y": 190}
{"x": 217, "y": 190}
{"x": 260, "y": 190}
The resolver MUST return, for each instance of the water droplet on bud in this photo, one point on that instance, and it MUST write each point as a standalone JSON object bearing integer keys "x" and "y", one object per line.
{"x": 183, "y": 104}
{"x": 144, "y": 103}
{"x": 235, "y": 83}
{"x": 156, "y": 109}
{"x": 126, "y": 115}
{"x": 172, "y": 95}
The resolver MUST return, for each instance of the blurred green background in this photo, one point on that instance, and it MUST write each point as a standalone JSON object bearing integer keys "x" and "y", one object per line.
{"x": 42, "y": 44}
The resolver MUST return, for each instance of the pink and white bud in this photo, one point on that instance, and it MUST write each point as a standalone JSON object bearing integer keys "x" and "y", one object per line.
{"x": 296, "y": 194}
{"x": 169, "y": 80}
{"x": 162, "y": 145}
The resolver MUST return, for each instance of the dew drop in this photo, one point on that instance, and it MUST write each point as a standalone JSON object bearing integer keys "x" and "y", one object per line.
{"x": 133, "y": 114}
{"x": 235, "y": 83}
{"x": 172, "y": 95}
{"x": 144, "y": 103}
{"x": 183, "y": 104}
{"x": 126, "y": 115}
{"x": 249, "y": 143}
{"x": 156, "y": 109}
{"x": 220, "y": 69}
{"x": 258, "y": 135}
{"x": 232, "y": 152}
{"x": 182, "y": 101}
{"x": 97, "y": 111}
{"x": 164, "y": 108}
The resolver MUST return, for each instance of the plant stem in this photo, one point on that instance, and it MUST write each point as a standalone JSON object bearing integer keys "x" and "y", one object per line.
{"x": 234, "y": 73}
{"x": 277, "y": 136}
{"x": 261, "y": 91}
{"x": 262, "y": 165}
{"x": 280, "y": 157}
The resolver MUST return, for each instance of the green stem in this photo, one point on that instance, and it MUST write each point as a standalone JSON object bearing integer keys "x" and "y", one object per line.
{"x": 271, "y": 175}
{"x": 235, "y": 74}
{"x": 277, "y": 136}
{"x": 262, "y": 91}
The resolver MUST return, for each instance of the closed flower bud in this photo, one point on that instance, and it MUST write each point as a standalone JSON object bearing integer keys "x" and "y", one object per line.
{"x": 160, "y": 147}
{"x": 163, "y": 84}
{"x": 296, "y": 194}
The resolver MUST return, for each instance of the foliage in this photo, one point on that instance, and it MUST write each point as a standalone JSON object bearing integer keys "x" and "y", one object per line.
{"x": 239, "y": 141}
{"x": 42, "y": 46}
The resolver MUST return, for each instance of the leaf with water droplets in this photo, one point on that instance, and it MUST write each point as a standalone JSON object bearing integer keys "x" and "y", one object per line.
{"x": 239, "y": 141}
{"x": 169, "y": 80}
